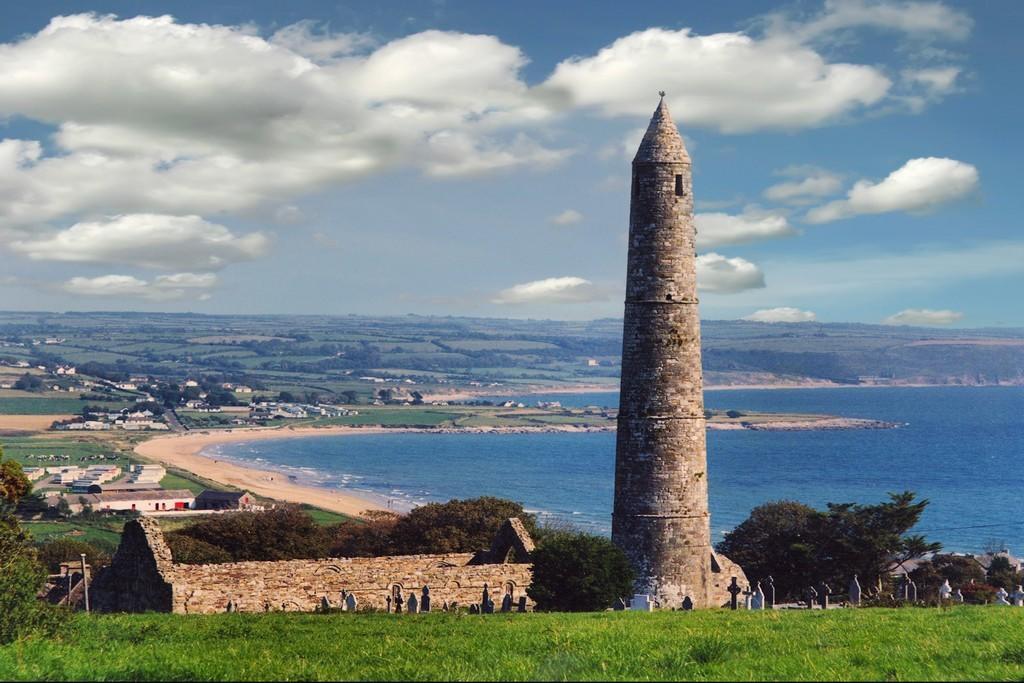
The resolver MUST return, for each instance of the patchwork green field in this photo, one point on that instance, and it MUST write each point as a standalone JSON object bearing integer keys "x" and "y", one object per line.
{"x": 963, "y": 643}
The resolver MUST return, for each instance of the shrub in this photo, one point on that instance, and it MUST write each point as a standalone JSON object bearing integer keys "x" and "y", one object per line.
{"x": 283, "y": 533}
{"x": 458, "y": 526}
{"x": 188, "y": 550}
{"x": 371, "y": 538}
{"x": 52, "y": 553}
{"x": 579, "y": 573}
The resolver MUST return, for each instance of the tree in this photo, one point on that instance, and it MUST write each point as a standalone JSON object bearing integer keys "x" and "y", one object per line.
{"x": 798, "y": 545}
{"x": 21, "y": 575}
{"x": 458, "y": 526}
{"x": 775, "y": 540}
{"x": 28, "y": 382}
{"x": 958, "y": 570}
{"x": 578, "y": 572}
{"x": 350, "y": 396}
{"x": 56, "y": 551}
{"x": 371, "y": 538}
{"x": 1001, "y": 574}
{"x": 286, "y": 397}
{"x": 188, "y": 550}
{"x": 282, "y": 533}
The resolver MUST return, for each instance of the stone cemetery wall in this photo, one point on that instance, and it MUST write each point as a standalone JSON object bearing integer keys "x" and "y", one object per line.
{"x": 143, "y": 576}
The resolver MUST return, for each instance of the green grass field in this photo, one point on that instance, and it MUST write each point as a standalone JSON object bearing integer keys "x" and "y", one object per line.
{"x": 965, "y": 643}
{"x": 30, "y": 405}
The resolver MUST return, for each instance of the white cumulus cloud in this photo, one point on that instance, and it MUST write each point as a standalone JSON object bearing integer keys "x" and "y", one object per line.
{"x": 782, "y": 314}
{"x": 923, "y": 316}
{"x": 567, "y": 289}
{"x": 724, "y": 275}
{"x": 148, "y": 241}
{"x": 914, "y": 18}
{"x": 808, "y": 184}
{"x": 918, "y": 186}
{"x": 712, "y": 80}
{"x": 717, "y": 229}
{"x": 162, "y": 288}
{"x": 567, "y": 217}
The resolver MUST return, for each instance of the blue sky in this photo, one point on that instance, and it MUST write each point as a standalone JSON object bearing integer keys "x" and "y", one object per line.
{"x": 853, "y": 161}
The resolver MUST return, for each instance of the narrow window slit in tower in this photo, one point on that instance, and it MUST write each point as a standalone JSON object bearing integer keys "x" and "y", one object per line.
{"x": 679, "y": 186}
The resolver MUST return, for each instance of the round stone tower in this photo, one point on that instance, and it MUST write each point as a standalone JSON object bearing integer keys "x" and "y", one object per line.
{"x": 660, "y": 516}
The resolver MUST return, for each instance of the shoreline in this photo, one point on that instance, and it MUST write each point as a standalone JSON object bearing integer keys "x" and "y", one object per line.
{"x": 187, "y": 452}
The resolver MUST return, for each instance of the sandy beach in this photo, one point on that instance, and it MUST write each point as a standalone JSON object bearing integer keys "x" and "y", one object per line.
{"x": 184, "y": 451}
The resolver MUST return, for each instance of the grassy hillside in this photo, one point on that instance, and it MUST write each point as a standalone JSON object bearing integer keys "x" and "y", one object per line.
{"x": 977, "y": 643}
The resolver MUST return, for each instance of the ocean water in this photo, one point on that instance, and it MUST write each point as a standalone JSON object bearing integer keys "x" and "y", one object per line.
{"x": 962, "y": 448}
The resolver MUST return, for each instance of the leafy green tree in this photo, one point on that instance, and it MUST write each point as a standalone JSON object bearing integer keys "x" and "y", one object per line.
{"x": 21, "y": 575}
{"x": 282, "y": 533}
{"x": 28, "y": 382}
{"x": 959, "y": 571}
{"x": 776, "y": 540}
{"x": 1001, "y": 574}
{"x": 371, "y": 538}
{"x": 579, "y": 573}
{"x": 458, "y": 526}
{"x": 798, "y": 545}
{"x": 56, "y": 551}
{"x": 188, "y": 550}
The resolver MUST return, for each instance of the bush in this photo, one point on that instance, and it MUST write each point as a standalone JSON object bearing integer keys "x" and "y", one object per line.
{"x": 283, "y": 533}
{"x": 579, "y": 573}
{"x": 458, "y": 526}
{"x": 188, "y": 550}
{"x": 52, "y": 553}
{"x": 371, "y": 538}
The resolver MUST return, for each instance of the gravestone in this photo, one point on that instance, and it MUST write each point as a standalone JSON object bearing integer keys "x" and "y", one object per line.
{"x": 903, "y": 591}
{"x": 769, "y": 594}
{"x": 485, "y": 599}
{"x": 1001, "y": 596}
{"x": 474, "y": 609}
{"x": 488, "y": 608}
{"x": 412, "y": 606}
{"x": 444, "y": 606}
{"x": 734, "y": 591}
{"x": 325, "y": 604}
{"x": 425, "y": 599}
{"x": 945, "y": 590}
{"x": 388, "y": 601}
{"x": 642, "y": 602}
{"x": 344, "y": 600}
{"x": 506, "y": 603}
{"x": 399, "y": 601}
{"x": 1017, "y": 597}
{"x": 454, "y": 607}
{"x": 231, "y": 606}
{"x": 958, "y": 596}
{"x": 823, "y": 592}
{"x": 855, "y": 591}
{"x": 351, "y": 603}
{"x": 911, "y": 590}
{"x": 619, "y": 605}
{"x": 687, "y": 604}
{"x": 757, "y": 600}
{"x": 521, "y": 607}
{"x": 810, "y": 596}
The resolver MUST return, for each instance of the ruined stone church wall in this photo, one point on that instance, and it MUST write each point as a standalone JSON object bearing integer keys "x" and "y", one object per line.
{"x": 144, "y": 577}
{"x": 301, "y": 585}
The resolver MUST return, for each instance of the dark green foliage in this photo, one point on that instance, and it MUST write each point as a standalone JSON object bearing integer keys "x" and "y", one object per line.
{"x": 21, "y": 575}
{"x": 799, "y": 546}
{"x": 579, "y": 573}
{"x": 188, "y": 550}
{"x": 52, "y": 553}
{"x": 1001, "y": 574}
{"x": 776, "y": 540}
{"x": 371, "y": 538}
{"x": 956, "y": 569}
{"x": 458, "y": 526}
{"x": 29, "y": 382}
{"x": 283, "y": 533}
{"x": 733, "y": 414}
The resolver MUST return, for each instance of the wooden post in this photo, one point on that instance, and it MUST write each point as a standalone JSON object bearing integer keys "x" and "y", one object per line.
{"x": 85, "y": 583}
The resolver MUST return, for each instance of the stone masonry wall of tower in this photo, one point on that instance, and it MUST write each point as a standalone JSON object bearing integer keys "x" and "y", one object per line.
{"x": 660, "y": 516}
